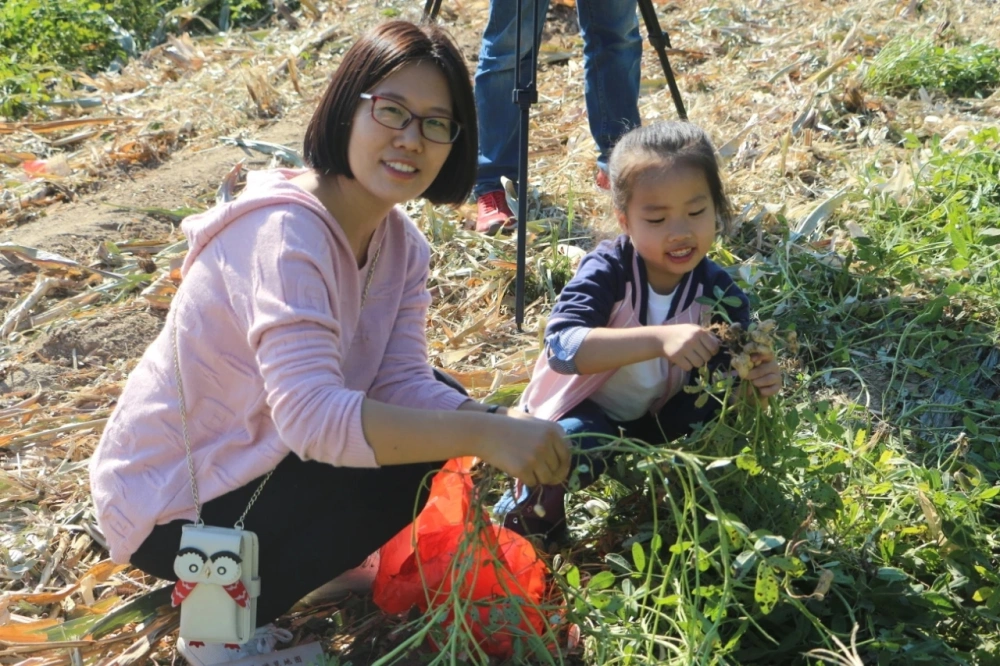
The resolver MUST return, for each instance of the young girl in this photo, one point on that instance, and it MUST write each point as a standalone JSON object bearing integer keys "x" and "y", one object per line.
{"x": 626, "y": 334}
{"x": 291, "y": 381}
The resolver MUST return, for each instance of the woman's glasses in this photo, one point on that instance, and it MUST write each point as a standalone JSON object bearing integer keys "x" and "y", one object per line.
{"x": 390, "y": 113}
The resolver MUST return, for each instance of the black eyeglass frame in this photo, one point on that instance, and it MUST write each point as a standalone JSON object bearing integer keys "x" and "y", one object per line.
{"x": 375, "y": 98}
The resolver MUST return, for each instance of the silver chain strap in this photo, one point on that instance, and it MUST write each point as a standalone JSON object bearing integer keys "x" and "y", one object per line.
{"x": 183, "y": 411}
{"x": 184, "y": 426}
{"x": 371, "y": 272}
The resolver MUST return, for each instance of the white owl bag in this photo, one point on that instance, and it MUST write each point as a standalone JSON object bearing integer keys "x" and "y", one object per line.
{"x": 217, "y": 586}
{"x": 216, "y": 567}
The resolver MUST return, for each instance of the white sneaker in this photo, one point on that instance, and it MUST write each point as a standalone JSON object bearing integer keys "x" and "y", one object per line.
{"x": 210, "y": 654}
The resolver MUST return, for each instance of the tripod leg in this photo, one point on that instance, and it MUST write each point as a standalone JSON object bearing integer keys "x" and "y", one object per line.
{"x": 431, "y": 9}
{"x": 661, "y": 42}
{"x": 525, "y": 94}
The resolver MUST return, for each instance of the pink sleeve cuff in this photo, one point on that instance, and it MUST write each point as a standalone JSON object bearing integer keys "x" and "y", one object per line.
{"x": 356, "y": 451}
{"x": 452, "y": 400}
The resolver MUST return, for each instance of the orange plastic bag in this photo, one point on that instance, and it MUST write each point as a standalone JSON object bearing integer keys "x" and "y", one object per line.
{"x": 499, "y": 566}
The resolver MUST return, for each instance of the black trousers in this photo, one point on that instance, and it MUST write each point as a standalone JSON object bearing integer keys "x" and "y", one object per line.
{"x": 314, "y": 521}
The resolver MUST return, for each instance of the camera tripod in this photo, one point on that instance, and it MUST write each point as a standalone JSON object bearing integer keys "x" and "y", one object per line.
{"x": 525, "y": 94}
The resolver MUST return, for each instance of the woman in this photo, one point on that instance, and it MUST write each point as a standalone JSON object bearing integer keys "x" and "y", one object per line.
{"x": 296, "y": 347}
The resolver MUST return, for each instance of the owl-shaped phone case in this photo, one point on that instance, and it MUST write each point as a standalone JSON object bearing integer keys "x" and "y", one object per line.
{"x": 218, "y": 584}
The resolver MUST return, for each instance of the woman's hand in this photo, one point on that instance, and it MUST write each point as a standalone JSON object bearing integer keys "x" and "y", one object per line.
{"x": 529, "y": 449}
{"x": 686, "y": 345}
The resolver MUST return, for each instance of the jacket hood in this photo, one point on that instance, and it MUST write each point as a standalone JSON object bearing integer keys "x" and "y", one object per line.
{"x": 264, "y": 189}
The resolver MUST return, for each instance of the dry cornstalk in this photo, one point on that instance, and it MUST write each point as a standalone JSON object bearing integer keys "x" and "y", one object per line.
{"x": 16, "y": 443}
{"x": 20, "y": 408}
{"x": 23, "y": 308}
{"x": 314, "y": 43}
{"x": 65, "y": 308}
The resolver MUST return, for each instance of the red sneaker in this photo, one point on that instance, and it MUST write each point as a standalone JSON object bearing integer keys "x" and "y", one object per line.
{"x": 602, "y": 180}
{"x": 493, "y": 214}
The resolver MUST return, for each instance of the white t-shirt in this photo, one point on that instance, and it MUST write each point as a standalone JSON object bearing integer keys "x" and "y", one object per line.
{"x": 629, "y": 392}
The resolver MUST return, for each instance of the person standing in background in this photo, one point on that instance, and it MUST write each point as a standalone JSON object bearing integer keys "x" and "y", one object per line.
{"x": 612, "y": 50}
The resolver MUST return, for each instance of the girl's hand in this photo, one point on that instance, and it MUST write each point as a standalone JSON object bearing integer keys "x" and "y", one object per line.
{"x": 765, "y": 376}
{"x": 529, "y": 449}
{"x": 687, "y": 346}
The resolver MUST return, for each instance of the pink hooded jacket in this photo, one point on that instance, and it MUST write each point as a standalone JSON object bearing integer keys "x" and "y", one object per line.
{"x": 276, "y": 356}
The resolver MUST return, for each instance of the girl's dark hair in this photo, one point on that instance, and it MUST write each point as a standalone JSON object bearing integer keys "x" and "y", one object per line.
{"x": 662, "y": 146}
{"x": 381, "y": 52}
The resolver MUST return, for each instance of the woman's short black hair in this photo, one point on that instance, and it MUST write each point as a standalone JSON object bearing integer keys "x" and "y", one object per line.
{"x": 381, "y": 52}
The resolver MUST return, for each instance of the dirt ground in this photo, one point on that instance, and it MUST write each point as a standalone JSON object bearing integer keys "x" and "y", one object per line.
{"x": 77, "y": 353}
{"x": 74, "y": 229}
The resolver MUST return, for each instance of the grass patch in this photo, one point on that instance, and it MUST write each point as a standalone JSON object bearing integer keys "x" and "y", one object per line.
{"x": 43, "y": 41}
{"x": 906, "y": 64}
{"x": 71, "y": 33}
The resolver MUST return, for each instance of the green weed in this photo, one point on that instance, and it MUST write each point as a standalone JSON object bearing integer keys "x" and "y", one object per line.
{"x": 906, "y": 64}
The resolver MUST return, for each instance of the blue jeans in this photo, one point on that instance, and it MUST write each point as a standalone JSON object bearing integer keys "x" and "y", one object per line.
{"x": 612, "y": 50}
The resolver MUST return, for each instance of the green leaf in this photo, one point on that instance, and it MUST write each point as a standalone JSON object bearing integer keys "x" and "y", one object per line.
{"x": 891, "y": 574}
{"x": 639, "y": 557}
{"x": 748, "y": 463}
{"x": 957, "y": 238}
{"x": 707, "y": 591}
{"x": 983, "y": 594}
{"x": 765, "y": 590}
{"x": 988, "y": 494}
{"x": 573, "y": 577}
{"x": 767, "y": 542}
{"x": 680, "y": 547}
{"x": 934, "y": 309}
{"x": 743, "y": 563}
{"x": 939, "y": 601}
{"x": 618, "y": 561}
{"x": 958, "y": 534}
{"x": 600, "y": 600}
{"x": 601, "y": 581}
{"x": 732, "y": 301}
{"x": 702, "y": 559}
{"x": 791, "y": 565}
